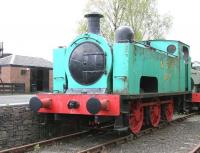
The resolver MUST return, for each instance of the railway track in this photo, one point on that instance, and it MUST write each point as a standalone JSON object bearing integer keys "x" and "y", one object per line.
{"x": 196, "y": 149}
{"x": 101, "y": 147}
{"x": 31, "y": 146}
{"x": 97, "y": 148}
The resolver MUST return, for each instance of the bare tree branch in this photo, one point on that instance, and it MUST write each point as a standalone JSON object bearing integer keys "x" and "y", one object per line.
{"x": 141, "y": 15}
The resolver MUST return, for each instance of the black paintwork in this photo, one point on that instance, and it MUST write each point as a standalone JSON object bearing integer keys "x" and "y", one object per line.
{"x": 73, "y": 104}
{"x": 93, "y": 22}
{"x": 152, "y": 95}
{"x": 93, "y": 105}
{"x": 87, "y": 63}
{"x": 35, "y": 104}
{"x": 124, "y": 34}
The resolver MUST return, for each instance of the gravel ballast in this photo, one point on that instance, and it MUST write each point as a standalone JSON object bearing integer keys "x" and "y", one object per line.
{"x": 177, "y": 138}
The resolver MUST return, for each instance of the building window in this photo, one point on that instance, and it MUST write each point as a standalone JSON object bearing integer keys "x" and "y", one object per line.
{"x": 23, "y": 72}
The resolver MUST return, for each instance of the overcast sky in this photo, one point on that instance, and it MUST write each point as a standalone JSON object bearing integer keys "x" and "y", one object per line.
{"x": 35, "y": 27}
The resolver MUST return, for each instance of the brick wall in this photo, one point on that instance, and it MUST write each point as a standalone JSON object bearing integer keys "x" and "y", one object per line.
{"x": 18, "y": 126}
{"x": 17, "y": 77}
{"x": 5, "y": 74}
{"x": 13, "y": 75}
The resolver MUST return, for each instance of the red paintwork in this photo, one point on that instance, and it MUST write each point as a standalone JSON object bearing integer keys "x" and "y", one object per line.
{"x": 46, "y": 102}
{"x": 59, "y": 104}
{"x": 196, "y": 97}
{"x": 155, "y": 114}
{"x": 136, "y": 117}
{"x": 169, "y": 112}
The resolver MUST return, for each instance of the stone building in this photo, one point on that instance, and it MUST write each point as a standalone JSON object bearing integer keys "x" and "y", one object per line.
{"x": 35, "y": 73}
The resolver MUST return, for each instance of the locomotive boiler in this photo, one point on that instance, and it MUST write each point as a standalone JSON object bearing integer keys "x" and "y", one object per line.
{"x": 131, "y": 83}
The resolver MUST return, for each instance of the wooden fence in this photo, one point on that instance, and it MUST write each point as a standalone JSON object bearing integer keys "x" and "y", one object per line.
{"x": 11, "y": 88}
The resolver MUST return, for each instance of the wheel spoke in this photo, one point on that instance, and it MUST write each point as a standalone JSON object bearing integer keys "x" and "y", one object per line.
{"x": 155, "y": 115}
{"x": 136, "y": 118}
{"x": 169, "y": 111}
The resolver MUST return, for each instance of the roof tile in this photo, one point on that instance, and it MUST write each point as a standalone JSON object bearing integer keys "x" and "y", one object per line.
{"x": 25, "y": 61}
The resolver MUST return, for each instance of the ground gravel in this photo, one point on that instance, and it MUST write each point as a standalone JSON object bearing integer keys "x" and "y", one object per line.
{"x": 76, "y": 144}
{"x": 176, "y": 138}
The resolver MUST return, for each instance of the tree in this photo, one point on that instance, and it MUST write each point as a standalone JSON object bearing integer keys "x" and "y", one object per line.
{"x": 141, "y": 15}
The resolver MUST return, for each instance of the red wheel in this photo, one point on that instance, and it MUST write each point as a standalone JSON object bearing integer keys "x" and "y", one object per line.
{"x": 155, "y": 115}
{"x": 169, "y": 111}
{"x": 136, "y": 118}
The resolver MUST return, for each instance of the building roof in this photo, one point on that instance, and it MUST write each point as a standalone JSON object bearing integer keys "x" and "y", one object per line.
{"x": 25, "y": 61}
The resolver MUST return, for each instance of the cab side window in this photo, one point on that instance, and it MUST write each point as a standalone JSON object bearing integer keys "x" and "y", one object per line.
{"x": 185, "y": 54}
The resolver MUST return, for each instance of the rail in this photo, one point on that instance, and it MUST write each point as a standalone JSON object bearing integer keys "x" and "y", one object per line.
{"x": 31, "y": 146}
{"x": 196, "y": 149}
{"x": 124, "y": 139}
{"x": 99, "y": 147}
{"x": 11, "y": 88}
{"x": 24, "y": 148}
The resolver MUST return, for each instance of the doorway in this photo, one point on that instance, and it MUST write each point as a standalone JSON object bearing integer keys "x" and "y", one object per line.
{"x": 39, "y": 79}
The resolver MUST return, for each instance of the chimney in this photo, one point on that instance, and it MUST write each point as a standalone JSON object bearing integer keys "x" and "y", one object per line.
{"x": 94, "y": 22}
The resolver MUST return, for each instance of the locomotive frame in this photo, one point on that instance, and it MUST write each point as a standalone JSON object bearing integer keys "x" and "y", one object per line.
{"x": 131, "y": 83}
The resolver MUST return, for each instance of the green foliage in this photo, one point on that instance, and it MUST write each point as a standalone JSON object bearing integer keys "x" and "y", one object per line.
{"x": 141, "y": 15}
{"x": 82, "y": 28}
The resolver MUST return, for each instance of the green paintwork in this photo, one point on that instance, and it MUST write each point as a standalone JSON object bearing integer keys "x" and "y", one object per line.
{"x": 125, "y": 66}
{"x": 59, "y": 61}
{"x": 62, "y": 61}
{"x": 134, "y": 60}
